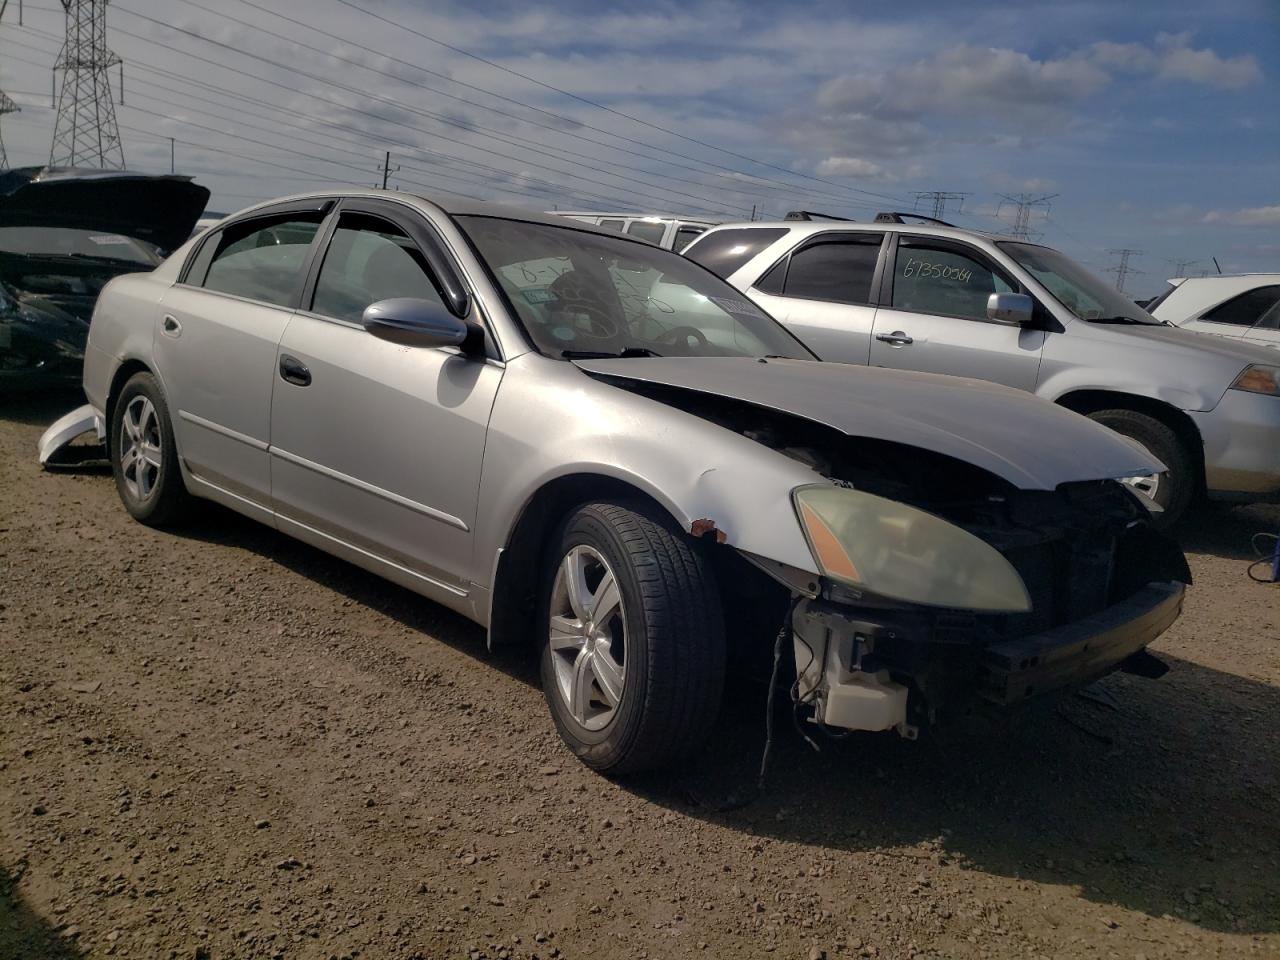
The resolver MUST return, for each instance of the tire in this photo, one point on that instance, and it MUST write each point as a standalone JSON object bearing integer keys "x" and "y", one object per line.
{"x": 671, "y": 647}
{"x": 148, "y": 477}
{"x": 1177, "y": 488}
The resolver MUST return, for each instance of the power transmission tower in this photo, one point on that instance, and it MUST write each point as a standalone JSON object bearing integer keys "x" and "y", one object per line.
{"x": 1024, "y": 204}
{"x": 85, "y": 132}
{"x": 1122, "y": 270}
{"x": 939, "y": 200}
{"x": 6, "y": 106}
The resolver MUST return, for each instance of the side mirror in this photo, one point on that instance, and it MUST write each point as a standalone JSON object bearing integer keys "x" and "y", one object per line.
{"x": 1014, "y": 309}
{"x": 411, "y": 322}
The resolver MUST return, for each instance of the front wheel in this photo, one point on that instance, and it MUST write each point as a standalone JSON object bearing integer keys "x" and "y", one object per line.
{"x": 1174, "y": 490}
{"x": 633, "y": 652}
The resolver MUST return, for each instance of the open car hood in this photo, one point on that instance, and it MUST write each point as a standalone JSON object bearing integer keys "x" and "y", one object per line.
{"x": 161, "y": 210}
{"x": 1030, "y": 442}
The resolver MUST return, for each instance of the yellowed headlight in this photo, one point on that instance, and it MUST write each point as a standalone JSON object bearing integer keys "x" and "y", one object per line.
{"x": 900, "y": 552}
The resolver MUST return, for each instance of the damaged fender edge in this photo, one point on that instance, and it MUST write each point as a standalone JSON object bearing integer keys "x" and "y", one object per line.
{"x": 66, "y": 429}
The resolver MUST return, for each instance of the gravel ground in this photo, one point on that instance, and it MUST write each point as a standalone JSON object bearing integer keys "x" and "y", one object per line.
{"x": 222, "y": 743}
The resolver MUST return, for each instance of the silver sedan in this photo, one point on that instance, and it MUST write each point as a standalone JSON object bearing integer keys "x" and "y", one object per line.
{"x": 596, "y": 446}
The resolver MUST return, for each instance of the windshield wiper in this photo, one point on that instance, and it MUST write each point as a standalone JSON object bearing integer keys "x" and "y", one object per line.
{"x": 624, "y": 353}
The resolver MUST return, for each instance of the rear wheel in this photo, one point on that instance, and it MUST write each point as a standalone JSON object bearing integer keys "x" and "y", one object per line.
{"x": 144, "y": 457}
{"x": 1174, "y": 490}
{"x": 632, "y": 639}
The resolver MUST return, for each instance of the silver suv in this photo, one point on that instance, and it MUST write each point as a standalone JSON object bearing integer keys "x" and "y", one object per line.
{"x": 939, "y": 299}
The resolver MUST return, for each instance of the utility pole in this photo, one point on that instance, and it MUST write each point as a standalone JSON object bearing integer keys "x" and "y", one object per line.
{"x": 1122, "y": 270}
{"x": 85, "y": 131}
{"x": 1024, "y": 204}
{"x": 939, "y": 199}
{"x": 386, "y": 169}
{"x": 6, "y": 106}
{"x": 6, "y": 103}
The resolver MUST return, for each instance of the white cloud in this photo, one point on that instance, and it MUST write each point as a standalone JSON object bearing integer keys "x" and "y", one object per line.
{"x": 1248, "y": 217}
{"x": 849, "y": 167}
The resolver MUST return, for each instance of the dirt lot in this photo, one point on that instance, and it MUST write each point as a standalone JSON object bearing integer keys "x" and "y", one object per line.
{"x": 222, "y": 743}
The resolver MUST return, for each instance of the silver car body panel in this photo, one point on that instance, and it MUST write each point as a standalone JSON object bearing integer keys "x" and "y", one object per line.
{"x": 1187, "y": 371}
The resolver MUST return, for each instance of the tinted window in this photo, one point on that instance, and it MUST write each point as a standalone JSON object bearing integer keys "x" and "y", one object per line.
{"x": 578, "y": 292}
{"x": 647, "y": 230}
{"x": 1246, "y": 309}
{"x": 724, "y": 251}
{"x": 942, "y": 280}
{"x": 686, "y": 236}
{"x": 612, "y": 224}
{"x": 837, "y": 270}
{"x": 261, "y": 259}
{"x": 369, "y": 259}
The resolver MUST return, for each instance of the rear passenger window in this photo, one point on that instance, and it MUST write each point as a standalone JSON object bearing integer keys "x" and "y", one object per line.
{"x": 944, "y": 281}
{"x": 723, "y": 252}
{"x": 647, "y": 230}
{"x": 836, "y": 270}
{"x": 261, "y": 259}
{"x": 370, "y": 259}
{"x": 1246, "y": 309}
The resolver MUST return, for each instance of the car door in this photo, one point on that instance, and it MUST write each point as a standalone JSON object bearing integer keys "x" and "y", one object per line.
{"x": 823, "y": 291}
{"x": 215, "y": 347}
{"x": 933, "y": 315}
{"x": 376, "y": 447}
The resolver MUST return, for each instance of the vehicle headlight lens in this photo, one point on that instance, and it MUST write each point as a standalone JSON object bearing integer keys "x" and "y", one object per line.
{"x": 900, "y": 552}
{"x": 1259, "y": 378}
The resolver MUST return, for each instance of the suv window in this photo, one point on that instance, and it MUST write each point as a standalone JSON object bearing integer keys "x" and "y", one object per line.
{"x": 261, "y": 259}
{"x": 929, "y": 278}
{"x": 1246, "y": 309}
{"x": 647, "y": 230}
{"x": 686, "y": 236}
{"x": 836, "y": 270}
{"x": 370, "y": 259}
{"x": 724, "y": 251}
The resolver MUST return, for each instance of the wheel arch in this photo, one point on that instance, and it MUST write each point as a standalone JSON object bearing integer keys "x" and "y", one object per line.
{"x": 1090, "y": 401}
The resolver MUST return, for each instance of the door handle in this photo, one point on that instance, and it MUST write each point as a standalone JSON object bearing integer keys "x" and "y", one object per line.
{"x": 895, "y": 339}
{"x": 170, "y": 326}
{"x": 294, "y": 370}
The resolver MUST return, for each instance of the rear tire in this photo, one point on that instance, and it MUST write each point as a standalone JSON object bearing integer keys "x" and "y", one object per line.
{"x": 1176, "y": 489}
{"x": 144, "y": 455}
{"x": 649, "y": 668}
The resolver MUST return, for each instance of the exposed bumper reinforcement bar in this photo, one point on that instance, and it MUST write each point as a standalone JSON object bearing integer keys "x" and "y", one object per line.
{"x": 1080, "y": 652}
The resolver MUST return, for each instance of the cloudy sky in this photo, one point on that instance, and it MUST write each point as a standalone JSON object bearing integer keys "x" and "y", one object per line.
{"x": 1153, "y": 123}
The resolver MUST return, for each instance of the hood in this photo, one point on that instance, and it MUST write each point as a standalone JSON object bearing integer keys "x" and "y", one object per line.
{"x": 1031, "y": 443}
{"x": 1238, "y": 353}
{"x": 161, "y": 210}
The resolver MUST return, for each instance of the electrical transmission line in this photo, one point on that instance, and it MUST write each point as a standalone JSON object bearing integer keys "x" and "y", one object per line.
{"x": 939, "y": 199}
{"x": 85, "y": 133}
{"x": 1024, "y": 204}
{"x": 1122, "y": 270}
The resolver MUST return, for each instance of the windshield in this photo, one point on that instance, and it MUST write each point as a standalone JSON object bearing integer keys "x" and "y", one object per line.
{"x": 69, "y": 242}
{"x": 580, "y": 293}
{"x": 1087, "y": 296}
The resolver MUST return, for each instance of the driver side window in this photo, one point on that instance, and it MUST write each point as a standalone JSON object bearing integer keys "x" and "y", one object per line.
{"x": 370, "y": 259}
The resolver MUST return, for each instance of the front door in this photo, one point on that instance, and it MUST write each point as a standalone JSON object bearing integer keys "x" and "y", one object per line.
{"x": 220, "y": 328}
{"x": 375, "y": 445}
{"x": 934, "y": 317}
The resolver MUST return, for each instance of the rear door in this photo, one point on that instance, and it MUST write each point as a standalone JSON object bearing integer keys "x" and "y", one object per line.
{"x": 823, "y": 291}
{"x": 375, "y": 445}
{"x": 215, "y": 347}
{"x": 933, "y": 315}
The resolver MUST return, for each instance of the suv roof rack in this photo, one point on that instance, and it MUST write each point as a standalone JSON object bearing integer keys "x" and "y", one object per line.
{"x": 811, "y": 215}
{"x": 895, "y": 216}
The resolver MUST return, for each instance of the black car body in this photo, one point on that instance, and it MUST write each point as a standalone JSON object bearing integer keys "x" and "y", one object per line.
{"x": 64, "y": 233}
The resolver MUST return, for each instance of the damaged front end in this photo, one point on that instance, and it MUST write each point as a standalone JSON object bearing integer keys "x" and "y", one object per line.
{"x": 1040, "y": 591}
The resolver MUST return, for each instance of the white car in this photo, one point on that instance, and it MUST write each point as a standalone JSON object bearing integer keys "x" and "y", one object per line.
{"x": 1243, "y": 307}
{"x": 668, "y": 232}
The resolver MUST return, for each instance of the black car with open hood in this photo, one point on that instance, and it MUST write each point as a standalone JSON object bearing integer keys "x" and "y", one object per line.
{"x": 64, "y": 233}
